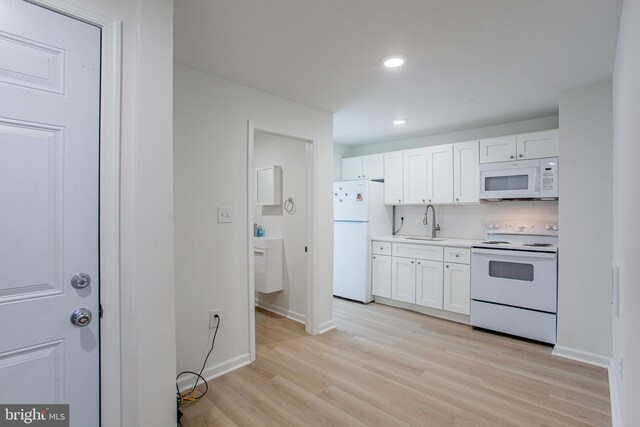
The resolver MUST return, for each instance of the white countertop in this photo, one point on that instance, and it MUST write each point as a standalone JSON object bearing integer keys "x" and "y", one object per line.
{"x": 441, "y": 241}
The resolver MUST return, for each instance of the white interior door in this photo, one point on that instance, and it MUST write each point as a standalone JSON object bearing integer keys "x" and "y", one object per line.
{"x": 49, "y": 137}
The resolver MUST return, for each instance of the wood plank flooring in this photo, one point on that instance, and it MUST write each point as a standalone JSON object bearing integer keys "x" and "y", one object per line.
{"x": 390, "y": 367}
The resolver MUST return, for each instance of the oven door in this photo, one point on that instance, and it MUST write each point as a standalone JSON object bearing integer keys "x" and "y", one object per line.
{"x": 509, "y": 183}
{"x": 516, "y": 278}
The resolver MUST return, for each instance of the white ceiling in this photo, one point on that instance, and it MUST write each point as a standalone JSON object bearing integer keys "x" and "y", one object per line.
{"x": 470, "y": 63}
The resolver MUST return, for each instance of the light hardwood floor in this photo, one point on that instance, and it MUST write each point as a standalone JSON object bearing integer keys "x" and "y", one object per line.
{"x": 389, "y": 367}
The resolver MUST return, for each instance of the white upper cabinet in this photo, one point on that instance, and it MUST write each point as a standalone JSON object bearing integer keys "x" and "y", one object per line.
{"x": 537, "y": 145}
{"x": 351, "y": 168}
{"x": 415, "y": 176}
{"x": 269, "y": 186}
{"x": 440, "y": 177}
{"x": 466, "y": 172}
{"x": 363, "y": 167}
{"x": 393, "y": 178}
{"x": 373, "y": 166}
{"x": 500, "y": 149}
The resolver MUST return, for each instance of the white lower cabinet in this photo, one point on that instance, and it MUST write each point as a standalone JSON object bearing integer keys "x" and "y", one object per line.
{"x": 381, "y": 275}
{"x": 432, "y": 283}
{"x": 457, "y": 279}
{"x": 403, "y": 279}
{"x": 429, "y": 283}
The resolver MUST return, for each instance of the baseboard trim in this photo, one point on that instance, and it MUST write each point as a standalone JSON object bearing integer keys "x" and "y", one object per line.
{"x": 613, "y": 396}
{"x": 217, "y": 370}
{"x": 326, "y": 326}
{"x": 289, "y": 314}
{"x": 582, "y": 356}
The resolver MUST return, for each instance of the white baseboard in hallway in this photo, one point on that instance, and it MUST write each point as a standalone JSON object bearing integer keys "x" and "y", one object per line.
{"x": 216, "y": 370}
{"x": 289, "y": 314}
{"x": 326, "y": 327}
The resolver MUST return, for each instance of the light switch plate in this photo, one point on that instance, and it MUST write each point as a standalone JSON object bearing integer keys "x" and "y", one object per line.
{"x": 224, "y": 215}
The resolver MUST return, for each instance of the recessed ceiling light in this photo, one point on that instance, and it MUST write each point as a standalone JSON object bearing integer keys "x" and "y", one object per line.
{"x": 393, "y": 61}
{"x": 399, "y": 122}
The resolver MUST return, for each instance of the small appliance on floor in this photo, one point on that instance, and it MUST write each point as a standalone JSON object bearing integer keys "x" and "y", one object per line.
{"x": 514, "y": 280}
{"x": 358, "y": 213}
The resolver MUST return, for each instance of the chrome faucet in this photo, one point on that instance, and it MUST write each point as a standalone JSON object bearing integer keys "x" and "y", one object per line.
{"x": 434, "y": 226}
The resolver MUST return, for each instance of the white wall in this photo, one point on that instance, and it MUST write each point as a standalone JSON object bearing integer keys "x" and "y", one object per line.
{"x": 626, "y": 211}
{"x": 339, "y": 152}
{"x": 523, "y": 126}
{"x": 468, "y": 221}
{"x": 147, "y": 265}
{"x": 210, "y": 170}
{"x": 584, "y": 290}
{"x": 290, "y": 154}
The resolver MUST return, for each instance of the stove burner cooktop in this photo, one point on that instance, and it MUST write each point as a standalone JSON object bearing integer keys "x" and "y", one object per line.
{"x": 495, "y": 242}
{"x": 538, "y": 245}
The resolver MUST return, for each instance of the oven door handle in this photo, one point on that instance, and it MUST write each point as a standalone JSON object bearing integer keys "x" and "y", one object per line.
{"x": 516, "y": 252}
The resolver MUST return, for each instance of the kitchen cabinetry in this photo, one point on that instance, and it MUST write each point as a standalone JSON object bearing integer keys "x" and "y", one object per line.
{"x": 466, "y": 172}
{"x": 363, "y": 167}
{"x": 536, "y": 145}
{"x": 415, "y": 176}
{"x": 533, "y": 145}
{"x": 457, "y": 278}
{"x": 393, "y": 178}
{"x": 425, "y": 275}
{"x": 429, "y": 283}
{"x": 500, "y": 149}
{"x": 440, "y": 174}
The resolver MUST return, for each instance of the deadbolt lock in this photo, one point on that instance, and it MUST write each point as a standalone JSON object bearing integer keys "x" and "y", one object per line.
{"x": 80, "y": 280}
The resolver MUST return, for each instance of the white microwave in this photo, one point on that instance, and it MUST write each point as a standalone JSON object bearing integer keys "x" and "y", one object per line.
{"x": 527, "y": 179}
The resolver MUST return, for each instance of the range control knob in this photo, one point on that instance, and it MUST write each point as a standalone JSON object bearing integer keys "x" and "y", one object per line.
{"x": 496, "y": 225}
{"x": 555, "y": 227}
{"x": 547, "y": 227}
{"x": 490, "y": 225}
{"x": 521, "y": 227}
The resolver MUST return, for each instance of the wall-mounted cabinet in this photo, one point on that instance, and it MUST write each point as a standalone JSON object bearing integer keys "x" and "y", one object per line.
{"x": 466, "y": 172}
{"x": 533, "y": 145}
{"x": 393, "y": 178}
{"x": 440, "y": 174}
{"x": 269, "y": 186}
{"x": 415, "y": 176}
{"x": 363, "y": 167}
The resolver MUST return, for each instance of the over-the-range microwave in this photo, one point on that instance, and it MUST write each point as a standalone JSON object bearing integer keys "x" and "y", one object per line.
{"x": 526, "y": 179}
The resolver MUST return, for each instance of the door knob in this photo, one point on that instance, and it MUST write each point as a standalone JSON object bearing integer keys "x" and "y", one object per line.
{"x": 81, "y": 317}
{"x": 80, "y": 280}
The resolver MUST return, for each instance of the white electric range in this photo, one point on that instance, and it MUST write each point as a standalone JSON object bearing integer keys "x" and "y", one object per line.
{"x": 514, "y": 280}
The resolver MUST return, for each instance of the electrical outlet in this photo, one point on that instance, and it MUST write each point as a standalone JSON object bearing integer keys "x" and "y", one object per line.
{"x": 213, "y": 322}
{"x": 224, "y": 215}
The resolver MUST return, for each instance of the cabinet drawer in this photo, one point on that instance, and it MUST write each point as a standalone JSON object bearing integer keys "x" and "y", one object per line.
{"x": 458, "y": 255}
{"x": 381, "y": 248}
{"x": 429, "y": 252}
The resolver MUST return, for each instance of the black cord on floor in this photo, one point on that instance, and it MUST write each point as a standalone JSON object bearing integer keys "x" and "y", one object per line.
{"x": 190, "y": 396}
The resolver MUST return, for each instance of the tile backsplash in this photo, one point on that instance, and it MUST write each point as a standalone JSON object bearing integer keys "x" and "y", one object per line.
{"x": 468, "y": 221}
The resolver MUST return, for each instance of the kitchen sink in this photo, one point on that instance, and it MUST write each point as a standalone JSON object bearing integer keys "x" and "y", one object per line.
{"x": 430, "y": 239}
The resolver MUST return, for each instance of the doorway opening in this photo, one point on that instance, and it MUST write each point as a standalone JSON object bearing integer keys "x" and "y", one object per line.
{"x": 280, "y": 205}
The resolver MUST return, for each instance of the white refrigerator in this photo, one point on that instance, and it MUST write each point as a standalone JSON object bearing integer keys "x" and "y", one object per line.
{"x": 358, "y": 214}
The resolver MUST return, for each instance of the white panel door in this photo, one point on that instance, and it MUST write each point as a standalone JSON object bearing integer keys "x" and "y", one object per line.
{"x": 536, "y": 145}
{"x": 500, "y": 149}
{"x": 440, "y": 179}
{"x": 415, "y": 176}
{"x": 429, "y": 283}
{"x": 403, "y": 279}
{"x": 373, "y": 166}
{"x": 351, "y": 168}
{"x": 466, "y": 172}
{"x": 381, "y": 275}
{"x": 49, "y": 141}
{"x": 457, "y": 282}
{"x": 393, "y": 178}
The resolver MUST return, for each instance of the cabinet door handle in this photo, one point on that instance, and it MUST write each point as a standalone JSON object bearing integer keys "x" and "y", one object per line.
{"x": 457, "y": 255}
{"x": 399, "y": 200}
{"x": 374, "y": 257}
{"x": 411, "y": 262}
{"x": 418, "y": 263}
{"x": 457, "y": 200}
{"x": 511, "y": 157}
{"x": 521, "y": 155}
{"x": 446, "y": 265}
